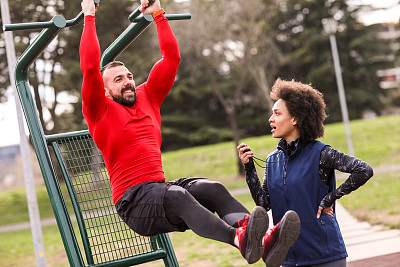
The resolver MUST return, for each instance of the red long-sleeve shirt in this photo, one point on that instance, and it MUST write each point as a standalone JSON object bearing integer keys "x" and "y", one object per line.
{"x": 128, "y": 137}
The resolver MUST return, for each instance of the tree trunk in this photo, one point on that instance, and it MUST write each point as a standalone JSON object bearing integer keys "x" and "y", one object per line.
{"x": 236, "y": 138}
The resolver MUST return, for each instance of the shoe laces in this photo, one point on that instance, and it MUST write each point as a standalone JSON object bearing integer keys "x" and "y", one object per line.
{"x": 241, "y": 230}
{"x": 243, "y": 223}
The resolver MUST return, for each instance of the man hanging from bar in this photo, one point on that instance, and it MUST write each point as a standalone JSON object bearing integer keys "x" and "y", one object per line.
{"x": 125, "y": 121}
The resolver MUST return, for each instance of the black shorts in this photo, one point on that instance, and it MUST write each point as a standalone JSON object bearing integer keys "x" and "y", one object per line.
{"x": 142, "y": 207}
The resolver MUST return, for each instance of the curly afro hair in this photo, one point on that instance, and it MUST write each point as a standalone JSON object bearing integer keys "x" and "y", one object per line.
{"x": 304, "y": 103}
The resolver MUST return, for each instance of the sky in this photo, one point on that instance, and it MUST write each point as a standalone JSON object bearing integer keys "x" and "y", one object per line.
{"x": 9, "y": 132}
{"x": 390, "y": 14}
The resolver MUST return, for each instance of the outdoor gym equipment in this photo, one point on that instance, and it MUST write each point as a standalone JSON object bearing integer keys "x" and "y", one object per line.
{"x": 106, "y": 239}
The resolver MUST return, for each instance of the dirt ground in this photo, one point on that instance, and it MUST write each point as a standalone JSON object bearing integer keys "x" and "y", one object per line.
{"x": 378, "y": 217}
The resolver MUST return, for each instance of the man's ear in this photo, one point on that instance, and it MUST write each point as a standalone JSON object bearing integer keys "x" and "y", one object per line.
{"x": 107, "y": 93}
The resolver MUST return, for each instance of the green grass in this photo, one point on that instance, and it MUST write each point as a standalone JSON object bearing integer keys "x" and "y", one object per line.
{"x": 375, "y": 141}
{"x": 14, "y": 207}
{"x": 378, "y": 201}
{"x": 16, "y": 248}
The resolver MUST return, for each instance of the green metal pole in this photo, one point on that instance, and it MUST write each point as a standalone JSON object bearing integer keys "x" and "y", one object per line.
{"x": 37, "y": 47}
{"x": 79, "y": 17}
{"x": 141, "y": 22}
{"x": 131, "y": 33}
{"x": 27, "y": 26}
{"x": 75, "y": 204}
{"x": 165, "y": 242}
{"x": 169, "y": 17}
{"x": 123, "y": 41}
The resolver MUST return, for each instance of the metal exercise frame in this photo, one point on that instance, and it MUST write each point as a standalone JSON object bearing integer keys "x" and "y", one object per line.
{"x": 106, "y": 240}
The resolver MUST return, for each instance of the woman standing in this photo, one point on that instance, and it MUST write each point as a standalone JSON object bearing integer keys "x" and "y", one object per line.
{"x": 300, "y": 176}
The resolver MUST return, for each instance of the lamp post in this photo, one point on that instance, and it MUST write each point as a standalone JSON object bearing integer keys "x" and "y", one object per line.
{"x": 330, "y": 27}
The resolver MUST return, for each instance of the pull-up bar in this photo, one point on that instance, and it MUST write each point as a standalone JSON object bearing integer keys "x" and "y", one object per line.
{"x": 51, "y": 30}
{"x": 139, "y": 24}
{"x": 42, "y": 25}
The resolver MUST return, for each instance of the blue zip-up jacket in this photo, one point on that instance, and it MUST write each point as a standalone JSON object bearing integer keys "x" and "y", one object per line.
{"x": 294, "y": 184}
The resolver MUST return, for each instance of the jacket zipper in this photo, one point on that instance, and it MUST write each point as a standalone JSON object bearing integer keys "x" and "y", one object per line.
{"x": 285, "y": 175}
{"x": 284, "y": 181}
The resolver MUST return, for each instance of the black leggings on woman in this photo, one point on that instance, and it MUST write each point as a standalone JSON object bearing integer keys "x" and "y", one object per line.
{"x": 195, "y": 206}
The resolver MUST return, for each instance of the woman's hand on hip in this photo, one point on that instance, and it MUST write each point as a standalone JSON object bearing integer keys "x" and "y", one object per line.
{"x": 328, "y": 211}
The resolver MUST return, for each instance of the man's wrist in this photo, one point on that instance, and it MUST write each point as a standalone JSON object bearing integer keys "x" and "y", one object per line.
{"x": 89, "y": 16}
{"x": 158, "y": 13}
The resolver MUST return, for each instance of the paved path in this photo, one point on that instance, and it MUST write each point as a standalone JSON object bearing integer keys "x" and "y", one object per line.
{"x": 364, "y": 241}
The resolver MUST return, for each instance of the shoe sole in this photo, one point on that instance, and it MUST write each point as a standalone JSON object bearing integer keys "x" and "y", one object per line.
{"x": 288, "y": 233}
{"x": 257, "y": 226}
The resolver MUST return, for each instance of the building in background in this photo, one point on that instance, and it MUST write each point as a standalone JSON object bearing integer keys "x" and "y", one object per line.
{"x": 390, "y": 78}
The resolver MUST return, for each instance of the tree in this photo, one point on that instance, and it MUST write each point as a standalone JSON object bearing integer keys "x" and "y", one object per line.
{"x": 308, "y": 54}
{"x": 20, "y": 11}
{"x": 231, "y": 59}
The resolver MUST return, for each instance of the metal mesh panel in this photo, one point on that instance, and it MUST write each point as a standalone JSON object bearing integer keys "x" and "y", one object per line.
{"x": 109, "y": 237}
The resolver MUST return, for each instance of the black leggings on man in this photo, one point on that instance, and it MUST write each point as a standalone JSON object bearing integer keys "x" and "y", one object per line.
{"x": 187, "y": 203}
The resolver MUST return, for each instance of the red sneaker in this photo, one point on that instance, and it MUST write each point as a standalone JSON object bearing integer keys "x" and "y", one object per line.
{"x": 278, "y": 240}
{"x": 250, "y": 234}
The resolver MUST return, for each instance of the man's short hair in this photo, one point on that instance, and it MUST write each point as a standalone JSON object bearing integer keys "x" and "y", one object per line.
{"x": 110, "y": 65}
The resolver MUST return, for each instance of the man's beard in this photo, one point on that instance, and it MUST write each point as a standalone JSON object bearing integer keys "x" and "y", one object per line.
{"x": 128, "y": 102}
